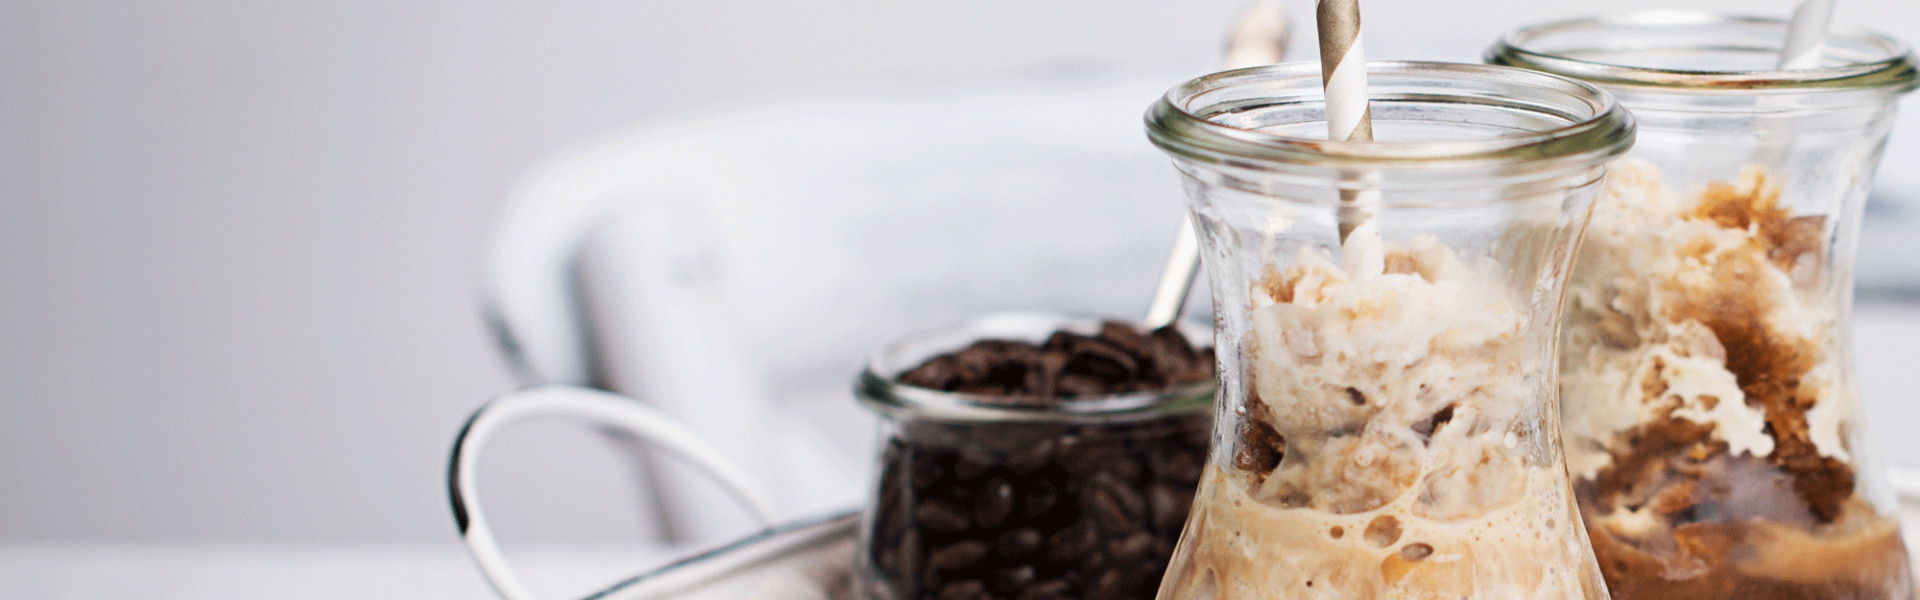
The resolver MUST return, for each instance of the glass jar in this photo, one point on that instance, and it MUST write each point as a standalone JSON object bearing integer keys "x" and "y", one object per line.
{"x": 1006, "y": 497}
{"x": 1387, "y": 424}
{"x": 1711, "y": 421}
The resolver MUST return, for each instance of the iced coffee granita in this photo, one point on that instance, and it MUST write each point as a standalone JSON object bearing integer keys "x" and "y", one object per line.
{"x": 1395, "y": 444}
{"x": 1708, "y": 419}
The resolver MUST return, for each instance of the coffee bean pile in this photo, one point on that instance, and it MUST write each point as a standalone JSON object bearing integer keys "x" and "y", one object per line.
{"x": 1118, "y": 359}
{"x": 974, "y": 512}
{"x": 1038, "y": 511}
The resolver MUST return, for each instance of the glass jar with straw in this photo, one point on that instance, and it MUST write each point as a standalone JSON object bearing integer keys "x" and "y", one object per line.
{"x": 1385, "y": 425}
{"x": 1711, "y": 422}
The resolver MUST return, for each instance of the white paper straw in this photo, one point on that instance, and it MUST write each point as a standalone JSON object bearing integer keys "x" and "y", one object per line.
{"x": 1807, "y": 35}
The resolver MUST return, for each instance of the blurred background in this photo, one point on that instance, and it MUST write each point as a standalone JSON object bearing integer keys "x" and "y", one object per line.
{"x": 241, "y": 241}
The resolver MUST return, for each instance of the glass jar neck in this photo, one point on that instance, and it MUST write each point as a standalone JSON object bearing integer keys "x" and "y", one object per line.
{"x": 1499, "y": 124}
{"x": 1707, "y": 63}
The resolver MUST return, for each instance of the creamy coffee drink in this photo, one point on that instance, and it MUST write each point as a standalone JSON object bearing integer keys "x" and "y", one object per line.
{"x": 1385, "y": 317}
{"x": 1396, "y": 444}
{"x": 1709, "y": 422}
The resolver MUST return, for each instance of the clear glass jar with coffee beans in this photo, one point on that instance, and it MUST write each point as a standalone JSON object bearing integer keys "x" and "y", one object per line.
{"x": 990, "y": 491}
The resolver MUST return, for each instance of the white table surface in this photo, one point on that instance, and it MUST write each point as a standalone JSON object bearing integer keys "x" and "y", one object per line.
{"x": 156, "y": 571}
{"x": 1884, "y": 335}
{"x": 89, "y": 571}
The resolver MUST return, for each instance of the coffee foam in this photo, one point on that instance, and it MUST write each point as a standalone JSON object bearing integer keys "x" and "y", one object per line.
{"x": 1239, "y": 547}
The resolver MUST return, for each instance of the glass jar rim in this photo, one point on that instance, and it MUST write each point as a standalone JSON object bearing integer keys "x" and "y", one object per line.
{"x": 1894, "y": 70}
{"x": 879, "y": 387}
{"x": 1599, "y": 127}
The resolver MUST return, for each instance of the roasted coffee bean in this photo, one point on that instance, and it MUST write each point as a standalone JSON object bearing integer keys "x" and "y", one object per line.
{"x": 1102, "y": 361}
{"x": 1125, "y": 337}
{"x": 1125, "y": 469}
{"x": 1107, "y": 510}
{"x": 1029, "y": 458}
{"x": 1114, "y": 504}
{"x": 1019, "y": 353}
{"x": 1075, "y": 577}
{"x": 1095, "y": 561}
{"x": 1131, "y": 548}
{"x": 1089, "y": 455}
{"x": 941, "y": 517}
{"x": 1039, "y": 499}
{"x": 956, "y": 556}
{"x": 940, "y": 373}
{"x": 1069, "y": 445}
{"x": 1013, "y": 580}
{"x": 972, "y": 589}
{"x": 1017, "y": 544}
{"x": 1060, "y": 341}
{"x": 1170, "y": 352}
{"x": 974, "y": 362}
{"x": 1107, "y": 586}
{"x": 1007, "y": 377}
{"x": 1071, "y": 545}
{"x": 1052, "y": 589}
{"x": 974, "y": 462}
{"x": 928, "y": 470}
{"x": 994, "y": 502}
{"x": 1054, "y": 361}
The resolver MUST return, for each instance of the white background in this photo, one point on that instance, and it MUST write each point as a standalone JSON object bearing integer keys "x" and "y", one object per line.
{"x": 239, "y": 239}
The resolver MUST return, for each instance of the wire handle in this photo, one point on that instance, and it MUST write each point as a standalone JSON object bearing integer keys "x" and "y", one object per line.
{"x": 604, "y": 409}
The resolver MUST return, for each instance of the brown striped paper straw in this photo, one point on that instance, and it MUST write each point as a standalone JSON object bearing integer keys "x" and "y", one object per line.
{"x": 1343, "y": 71}
{"x": 1343, "y": 74}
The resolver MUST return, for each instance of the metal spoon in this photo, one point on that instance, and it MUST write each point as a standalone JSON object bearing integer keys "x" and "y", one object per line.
{"x": 1259, "y": 37}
